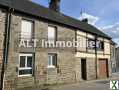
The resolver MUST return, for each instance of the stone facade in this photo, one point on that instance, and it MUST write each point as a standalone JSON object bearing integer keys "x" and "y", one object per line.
{"x": 68, "y": 68}
{"x": 91, "y": 70}
{"x": 2, "y": 28}
{"x": 92, "y": 56}
{"x": 64, "y": 73}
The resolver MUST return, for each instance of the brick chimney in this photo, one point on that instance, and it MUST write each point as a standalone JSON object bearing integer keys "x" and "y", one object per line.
{"x": 55, "y": 5}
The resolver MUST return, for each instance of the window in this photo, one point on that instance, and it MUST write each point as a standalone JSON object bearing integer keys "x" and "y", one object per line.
{"x": 25, "y": 64}
{"x": 91, "y": 43}
{"x": 51, "y": 33}
{"x": 52, "y": 60}
{"x": 26, "y": 29}
{"x": 100, "y": 45}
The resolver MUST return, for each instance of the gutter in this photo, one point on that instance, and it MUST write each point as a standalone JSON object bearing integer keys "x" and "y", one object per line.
{"x": 6, "y": 45}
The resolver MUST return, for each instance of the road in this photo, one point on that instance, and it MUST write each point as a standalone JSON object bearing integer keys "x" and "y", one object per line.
{"x": 86, "y": 85}
{"x": 91, "y": 85}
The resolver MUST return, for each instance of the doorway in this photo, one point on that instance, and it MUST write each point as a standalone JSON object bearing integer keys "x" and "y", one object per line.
{"x": 103, "y": 68}
{"x": 83, "y": 69}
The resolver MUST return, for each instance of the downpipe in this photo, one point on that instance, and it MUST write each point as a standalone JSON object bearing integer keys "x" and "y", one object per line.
{"x": 6, "y": 46}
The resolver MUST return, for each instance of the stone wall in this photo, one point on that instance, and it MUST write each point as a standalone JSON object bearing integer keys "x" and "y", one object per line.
{"x": 78, "y": 69}
{"x": 69, "y": 66}
{"x": 91, "y": 69}
{"x": 2, "y": 29}
{"x": 65, "y": 72}
{"x": 11, "y": 70}
{"x": 66, "y": 64}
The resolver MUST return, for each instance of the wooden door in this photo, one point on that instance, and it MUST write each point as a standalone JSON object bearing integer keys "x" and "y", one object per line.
{"x": 103, "y": 68}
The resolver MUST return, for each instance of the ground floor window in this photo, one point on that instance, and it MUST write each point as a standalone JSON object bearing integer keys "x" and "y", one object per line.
{"x": 52, "y": 60}
{"x": 25, "y": 65}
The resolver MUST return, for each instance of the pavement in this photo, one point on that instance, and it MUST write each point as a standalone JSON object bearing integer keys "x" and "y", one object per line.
{"x": 88, "y": 85}
{"x": 103, "y": 84}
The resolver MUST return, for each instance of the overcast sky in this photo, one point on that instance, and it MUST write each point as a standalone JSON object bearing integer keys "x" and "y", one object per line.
{"x": 104, "y": 14}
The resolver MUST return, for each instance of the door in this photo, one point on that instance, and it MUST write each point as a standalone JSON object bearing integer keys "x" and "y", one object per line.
{"x": 83, "y": 69}
{"x": 103, "y": 68}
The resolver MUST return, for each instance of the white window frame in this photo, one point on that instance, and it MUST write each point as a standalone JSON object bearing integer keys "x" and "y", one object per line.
{"x": 51, "y": 61}
{"x": 25, "y": 68}
{"x": 51, "y": 29}
{"x": 26, "y": 34}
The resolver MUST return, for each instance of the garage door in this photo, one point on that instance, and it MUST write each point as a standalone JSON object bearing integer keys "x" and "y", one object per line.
{"x": 103, "y": 68}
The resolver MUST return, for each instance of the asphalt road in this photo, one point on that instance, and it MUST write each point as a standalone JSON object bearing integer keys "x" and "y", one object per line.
{"x": 86, "y": 85}
{"x": 94, "y": 85}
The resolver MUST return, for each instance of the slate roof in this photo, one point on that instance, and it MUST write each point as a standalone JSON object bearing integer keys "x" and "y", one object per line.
{"x": 34, "y": 9}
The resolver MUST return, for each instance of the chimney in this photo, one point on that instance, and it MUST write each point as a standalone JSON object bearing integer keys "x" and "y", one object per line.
{"x": 85, "y": 20}
{"x": 55, "y": 5}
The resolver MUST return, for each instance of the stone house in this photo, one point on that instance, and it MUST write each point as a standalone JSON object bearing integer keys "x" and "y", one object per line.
{"x": 32, "y": 66}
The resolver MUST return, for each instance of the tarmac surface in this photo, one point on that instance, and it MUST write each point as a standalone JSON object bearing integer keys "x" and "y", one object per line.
{"x": 103, "y": 84}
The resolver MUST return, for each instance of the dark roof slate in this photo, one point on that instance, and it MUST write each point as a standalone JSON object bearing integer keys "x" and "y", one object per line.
{"x": 34, "y": 9}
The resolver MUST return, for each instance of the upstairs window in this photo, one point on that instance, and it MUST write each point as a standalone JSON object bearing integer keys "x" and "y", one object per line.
{"x": 26, "y": 29}
{"x": 101, "y": 45}
{"x": 90, "y": 43}
{"x": 98, "y": 44}
{"x": 51, "y": 33}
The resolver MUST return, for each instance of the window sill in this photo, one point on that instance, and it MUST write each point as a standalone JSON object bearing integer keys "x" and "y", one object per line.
{"x": 51, "y": 67}
{"x": 27, "y": 75}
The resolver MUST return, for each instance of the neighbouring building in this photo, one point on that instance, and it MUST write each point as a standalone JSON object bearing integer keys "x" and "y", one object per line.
{"x": 29, "y": 66}
{"x": 113, "y": 57}
{"x": 117, "y": 59}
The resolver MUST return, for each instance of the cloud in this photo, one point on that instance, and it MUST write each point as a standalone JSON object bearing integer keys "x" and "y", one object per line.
{"x": 116, "y": 40}
{"x": 91, "y": 19}
{"x": 113, "y": 31}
